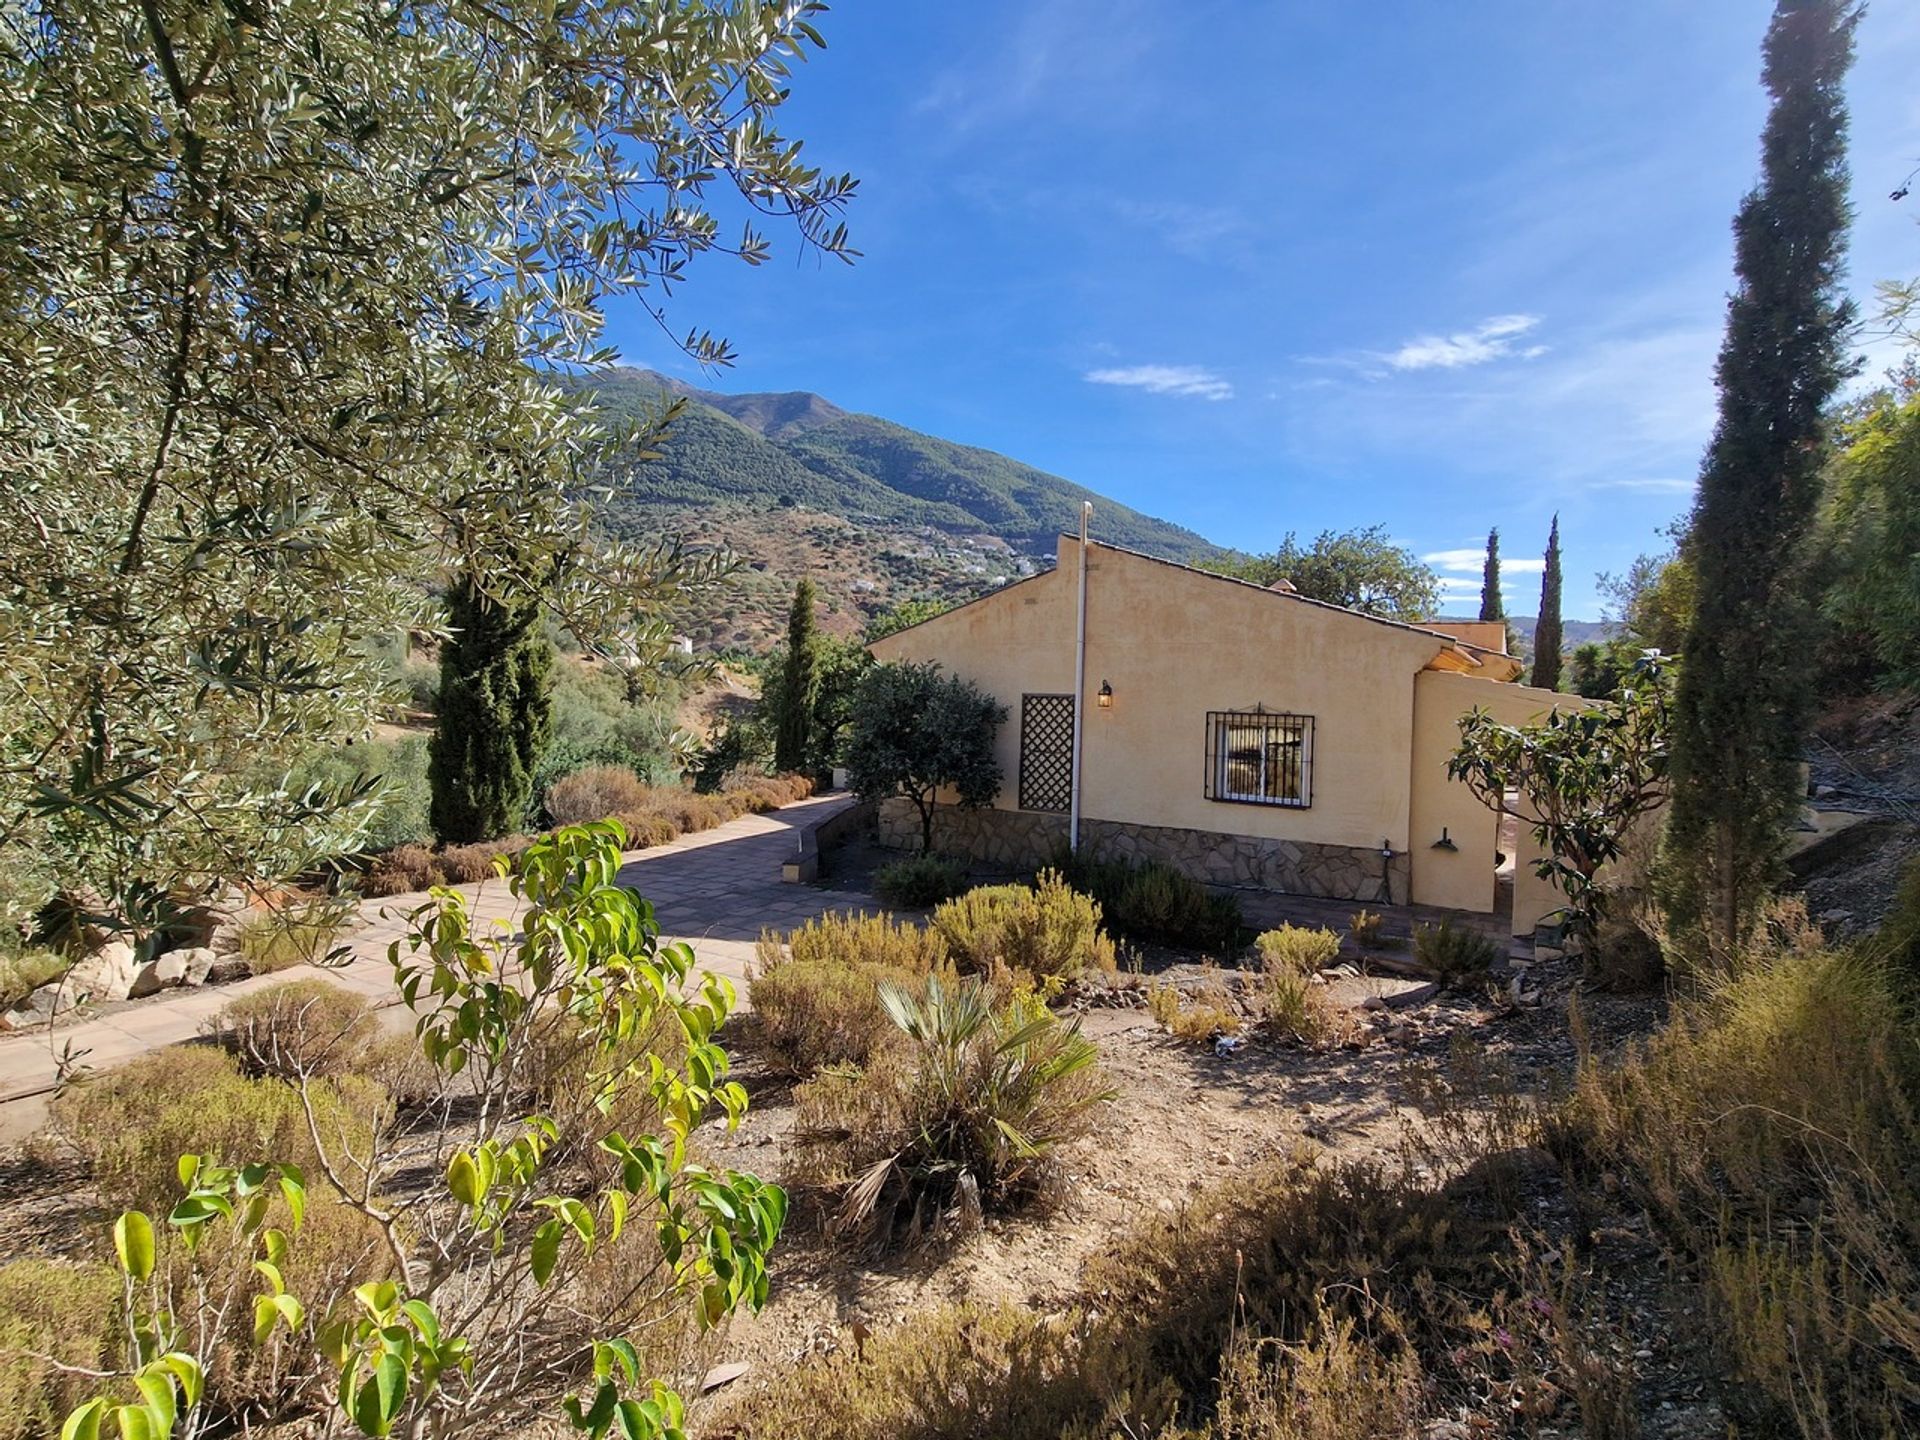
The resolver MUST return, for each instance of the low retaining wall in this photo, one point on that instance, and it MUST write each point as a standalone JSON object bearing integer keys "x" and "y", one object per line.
{"x": 1020, "y": 839}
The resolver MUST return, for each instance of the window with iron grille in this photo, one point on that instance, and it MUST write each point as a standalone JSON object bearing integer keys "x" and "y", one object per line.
{"x": 1046, "y": 752}
{"x": 1255, "y": 757}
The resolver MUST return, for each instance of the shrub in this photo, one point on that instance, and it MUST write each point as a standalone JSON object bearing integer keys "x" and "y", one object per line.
{"x": 52, "y": 1313}
{"x": 1296, "y": 948}
{"x": 1280, "y": 1252}
{"x": 1772, "y": 1128}
{"x": 1294, "y": 1006}
{"x": 21, "y": 975}
{"x": 964, "y": 1119}
{"x": 133, "y": 1123}
{"x": 958, "y": 1373}
{"x": 297, "y": 933}
{"x": 301, "y": 1027}
{"x": 594, "y": 794}
{"x": 1155, "y": 902}
{"x": 818, "y": 996}
{"x": 402, "y": 869}
{"x": 1339, "y": 1384}
{"x": 1368, "y": 929}
{"x": 920, "y": 881}
{"x": 1209, "y": 1015}
{"x": 1454, "y": 953}
{"x": 1049, "y": 933}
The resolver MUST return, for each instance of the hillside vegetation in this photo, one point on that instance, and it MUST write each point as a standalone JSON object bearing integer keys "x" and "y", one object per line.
{"x": 800, "y": 449}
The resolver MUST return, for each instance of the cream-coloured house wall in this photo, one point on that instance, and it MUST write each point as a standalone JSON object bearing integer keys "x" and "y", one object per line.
{"x": 1462, "y": 879}
{"x": 1176, "y": 644}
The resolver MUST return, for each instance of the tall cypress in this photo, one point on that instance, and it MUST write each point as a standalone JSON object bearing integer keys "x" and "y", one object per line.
{"x": 1491, "y": 605}
{"x": 799, "y": 684}
{"x": 1744, "y": 700}
{"x": 495, "y": 714}
{"x": 1547, "y": 633}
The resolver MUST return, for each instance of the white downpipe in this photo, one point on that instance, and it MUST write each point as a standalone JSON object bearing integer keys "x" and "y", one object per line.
{"x": 1079, "y": 680}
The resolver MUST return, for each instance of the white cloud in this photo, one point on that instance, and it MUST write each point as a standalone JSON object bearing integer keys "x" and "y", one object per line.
{"x": 1492, "y": 339}
{"x": 1166, "y": 380}
{"x": 1473, "y": 562}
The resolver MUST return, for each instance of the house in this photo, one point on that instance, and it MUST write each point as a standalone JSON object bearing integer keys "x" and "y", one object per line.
{"x": 1251, "y": 737}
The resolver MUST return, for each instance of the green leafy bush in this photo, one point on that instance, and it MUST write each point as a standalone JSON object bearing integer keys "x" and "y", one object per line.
{"x": 398, "y": 767}
{"x": 1154, "y": 902}
{"x": 1047, "y": 932}
{"x": 300, "y": 1027}
{"x": 52, "y": 1313}
{"x": 1298, "y": 948}
{"x": 964, "y": 1119}
{"x": 920, "y": 881}
{"x": 1454, "y": 952}
{"x": 818, "y": 995}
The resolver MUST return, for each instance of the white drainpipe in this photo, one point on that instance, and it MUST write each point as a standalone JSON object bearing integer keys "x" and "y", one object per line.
{"x": 1079, "y": 680}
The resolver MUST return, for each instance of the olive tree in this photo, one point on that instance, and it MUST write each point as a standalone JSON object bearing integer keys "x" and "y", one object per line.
{"x": 915, "y": 732}
{"x": 288, "y": 297}
{"x": 543, "y": 1226}
{"x": 1584, "y": 777}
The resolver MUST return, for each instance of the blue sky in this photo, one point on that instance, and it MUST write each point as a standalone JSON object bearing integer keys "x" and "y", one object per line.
{"x": 1268, "y": 267}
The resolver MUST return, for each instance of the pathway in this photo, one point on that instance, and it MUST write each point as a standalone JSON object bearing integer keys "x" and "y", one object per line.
{"x": 717, "y": 890}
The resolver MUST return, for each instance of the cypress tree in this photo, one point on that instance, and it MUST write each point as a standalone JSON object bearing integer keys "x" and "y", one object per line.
{"x": 799, "y": 685}
{"x": 1491, "y": 606}
{"x": 1548, "y": 636}
{"x": 495, "y": 713}
{"x": 1744, "y": 700}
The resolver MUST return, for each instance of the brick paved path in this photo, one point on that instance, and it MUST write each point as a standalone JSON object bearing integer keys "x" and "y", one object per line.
{"x": 717, "y": 890}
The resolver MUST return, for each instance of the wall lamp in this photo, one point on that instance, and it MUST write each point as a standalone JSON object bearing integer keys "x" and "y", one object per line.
{"x": 1105, "y": 696}
{"x": 1445, "y": 842}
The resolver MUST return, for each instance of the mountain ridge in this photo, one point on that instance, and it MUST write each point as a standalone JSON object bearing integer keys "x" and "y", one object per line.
{"x": 797, "y": 448}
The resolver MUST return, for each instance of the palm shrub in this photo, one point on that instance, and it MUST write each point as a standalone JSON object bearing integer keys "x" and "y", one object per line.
{"x": 817, "y": 995}
{"x": 965, "y": 1120}
{"x": 1048, "y": 933}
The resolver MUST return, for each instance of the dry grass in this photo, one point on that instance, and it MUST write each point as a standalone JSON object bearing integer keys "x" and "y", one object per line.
{"x": 52, "y": 1313}
{"x": 133, "y": 1123}
{"x": 1772, "y": 1128}
{"x": 21, "y": 975}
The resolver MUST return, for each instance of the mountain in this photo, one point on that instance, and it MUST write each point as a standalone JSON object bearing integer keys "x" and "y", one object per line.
{"x": 797, "y": 449}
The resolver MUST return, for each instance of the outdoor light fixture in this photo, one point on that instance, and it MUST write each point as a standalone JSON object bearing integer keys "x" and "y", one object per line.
{"x": 1445, "y": 842}
{"x": 1106, "y": 695}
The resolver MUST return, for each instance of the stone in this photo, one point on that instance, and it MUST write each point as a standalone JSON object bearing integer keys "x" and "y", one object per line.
{"x": 40, "y": 1006}
{"x": 196, "y": 965}
{"x": 107, "y": 974}
{"x": 163, "y": 972}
